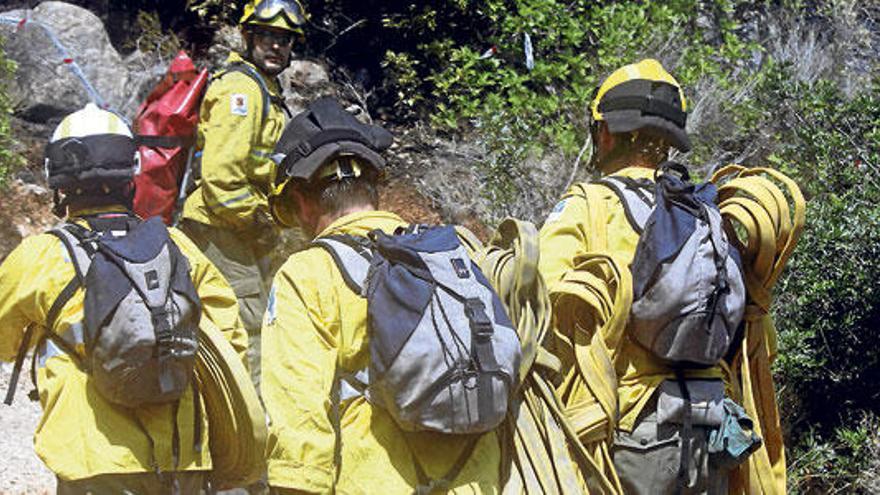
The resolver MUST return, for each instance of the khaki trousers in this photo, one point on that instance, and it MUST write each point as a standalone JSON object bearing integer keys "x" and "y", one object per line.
{"x": 248, "y": 271}
{"x": 647, "y": 459}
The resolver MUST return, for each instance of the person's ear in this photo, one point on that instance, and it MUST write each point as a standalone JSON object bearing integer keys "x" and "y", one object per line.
{"x": 605, "y": 137}
{"x": 305, "y": 209}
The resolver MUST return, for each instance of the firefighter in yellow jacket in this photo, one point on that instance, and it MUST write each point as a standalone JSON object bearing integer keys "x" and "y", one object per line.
{"x": 242, "y": 116}
{"x": 91, "y": 444}
{"x": 323, "y": 439}
{"x": 638, "y": 114}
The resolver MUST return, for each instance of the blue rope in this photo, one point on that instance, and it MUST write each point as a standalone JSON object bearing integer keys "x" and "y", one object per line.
{"x": 66, "y": 57}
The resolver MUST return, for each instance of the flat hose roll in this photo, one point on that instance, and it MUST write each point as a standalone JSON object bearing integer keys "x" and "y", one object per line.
{"x": 236, "y": 420}
{"x": 766, "y": 212}
{"x": 590, "y": 309}
{"x": 541, "y": 450}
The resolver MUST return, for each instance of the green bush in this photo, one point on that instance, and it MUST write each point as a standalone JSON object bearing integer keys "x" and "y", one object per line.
{"x": 828, "y": 309}
{"x": 9, "y": 158}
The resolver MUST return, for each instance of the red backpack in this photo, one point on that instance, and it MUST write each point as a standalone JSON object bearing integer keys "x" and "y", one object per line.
{"x": 166, "y": 135}
{"x": 165, "y": 129}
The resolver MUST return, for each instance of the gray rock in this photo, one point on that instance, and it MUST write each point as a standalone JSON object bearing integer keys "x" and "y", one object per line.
{"x": 145, "y": 71}
{"x": 304, "y": 81}
{"x": 44, "y": 86}
{"x": 227, "y": 39}
{"x": 306, "y": 73}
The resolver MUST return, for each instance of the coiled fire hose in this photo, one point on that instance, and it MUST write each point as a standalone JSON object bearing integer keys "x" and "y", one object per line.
{"x": 542, "y": 450}
{"x": 766, "y": 212}
{"x": 237, "y": 422}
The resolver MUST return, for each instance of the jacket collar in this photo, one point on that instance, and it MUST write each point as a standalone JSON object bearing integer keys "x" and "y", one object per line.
{"x": 362, "y": 222}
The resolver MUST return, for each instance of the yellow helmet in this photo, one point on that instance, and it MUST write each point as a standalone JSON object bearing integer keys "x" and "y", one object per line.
{"x": 283, "y": 14}
{"x": 643, "y": 96}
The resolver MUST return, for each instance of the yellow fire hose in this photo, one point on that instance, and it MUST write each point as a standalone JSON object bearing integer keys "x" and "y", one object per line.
{"x": 767, "y": 213}
{"x": 542, "y": 451}
{"x": 237, "y": 422}
{"x": 591, "y": 305}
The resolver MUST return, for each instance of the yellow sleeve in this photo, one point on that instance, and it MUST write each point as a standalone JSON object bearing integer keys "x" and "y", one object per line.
{"x": 563, "y": 238}
{"x": 31, "y": 277}
{"x": 218, "y": 300}
{"x": 231, "y": 125}
{"x": 299, "y": 357}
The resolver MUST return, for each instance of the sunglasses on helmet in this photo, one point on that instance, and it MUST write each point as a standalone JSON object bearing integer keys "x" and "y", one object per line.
{"x": 290, "y": 9}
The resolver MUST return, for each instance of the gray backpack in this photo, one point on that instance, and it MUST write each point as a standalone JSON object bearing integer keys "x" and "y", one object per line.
{"x": 443, "y": 353}
{"x": 141, "y": 309}
{"x": 688, "y": 290}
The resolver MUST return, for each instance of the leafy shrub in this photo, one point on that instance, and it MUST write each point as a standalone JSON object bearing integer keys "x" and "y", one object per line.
{"x": 829, "y": 304}
{"x": 149, "y": 36}
{"x": 9, "y": 158}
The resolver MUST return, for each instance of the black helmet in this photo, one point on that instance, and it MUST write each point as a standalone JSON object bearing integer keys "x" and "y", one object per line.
{"x": 323, "y": 132}
{"x": 91, "y": 148}
{"x": 324, "y": 143}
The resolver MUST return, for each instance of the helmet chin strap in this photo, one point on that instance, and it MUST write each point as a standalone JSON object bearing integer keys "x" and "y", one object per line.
{"x": 248, "y": 36}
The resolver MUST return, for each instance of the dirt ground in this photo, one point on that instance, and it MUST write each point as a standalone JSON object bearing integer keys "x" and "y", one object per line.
{"x": 20, "y": 470}
{"x": 24, "y": 210}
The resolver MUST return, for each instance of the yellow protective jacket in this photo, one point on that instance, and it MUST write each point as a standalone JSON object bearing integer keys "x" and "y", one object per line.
{"x": 235, "y": 145}
{"x": 314, "y": 331}
{"x": 567, "y": 234}
{"x": 82, "y": 435}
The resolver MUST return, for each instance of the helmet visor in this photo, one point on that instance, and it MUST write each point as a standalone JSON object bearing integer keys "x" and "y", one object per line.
{"x": 266, "y": 10}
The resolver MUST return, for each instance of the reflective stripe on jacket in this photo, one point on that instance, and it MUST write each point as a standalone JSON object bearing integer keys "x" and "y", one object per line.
{"x": 564, "y": 236}
{"x": 82, "y": 435}
{"x": 236, "y": 172}
{"x": 315, "y": 330}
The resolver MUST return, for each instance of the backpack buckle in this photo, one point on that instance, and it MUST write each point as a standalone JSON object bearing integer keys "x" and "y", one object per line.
{"x": 481, "y": 325}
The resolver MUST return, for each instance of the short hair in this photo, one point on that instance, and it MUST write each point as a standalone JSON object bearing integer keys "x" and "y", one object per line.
{"x": 121, "y": 194}
{"x": 338, "y": 195}
{"x": 642, "y": 143}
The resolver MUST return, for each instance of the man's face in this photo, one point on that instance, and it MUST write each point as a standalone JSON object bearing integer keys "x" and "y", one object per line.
{"x": 270, "y": 49}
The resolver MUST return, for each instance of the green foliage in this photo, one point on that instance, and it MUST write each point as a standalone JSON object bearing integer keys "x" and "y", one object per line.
{"x": 840, "y": 464}
{"x": 9, "y": 158}
{"x": 828, "y": 308}
{"x": 149, "y": 36}
{"x": 214, "y": 12}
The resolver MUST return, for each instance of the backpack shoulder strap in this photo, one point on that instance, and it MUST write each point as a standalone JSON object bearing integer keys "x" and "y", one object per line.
{"x": 79, "y": 247}
{"x": 75, "y": 239}
{"x": 636, "y": 197}
{"x": 80, "y": 253}
{"x": 352, "y": 256}
{"x": 268, "y": 97}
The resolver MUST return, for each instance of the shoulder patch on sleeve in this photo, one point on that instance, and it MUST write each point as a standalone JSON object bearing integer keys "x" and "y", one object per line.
{"x": 556, "y": 212}
{"x": 238, "y": 104}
